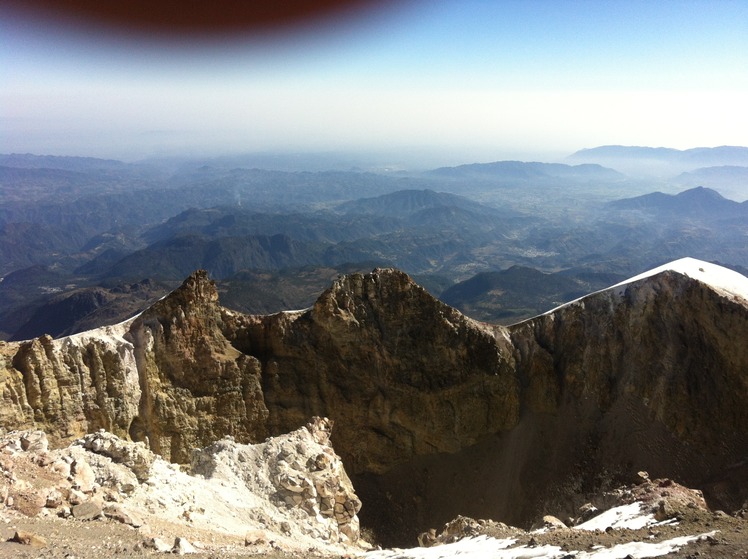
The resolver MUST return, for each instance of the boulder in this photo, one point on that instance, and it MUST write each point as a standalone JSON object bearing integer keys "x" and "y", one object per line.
{"x": 88, "y": 510}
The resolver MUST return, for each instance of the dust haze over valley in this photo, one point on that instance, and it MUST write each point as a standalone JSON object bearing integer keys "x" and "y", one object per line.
{"x": 385, "y": 264}
{"x": 87, "y": 242}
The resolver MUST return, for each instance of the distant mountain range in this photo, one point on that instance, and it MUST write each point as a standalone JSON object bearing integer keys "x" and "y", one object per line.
{"x": 410, "y": 202}
{"x": 637, "y": 160}
{"x": 520, "y": 170}
{"x": 88, "y": 224}
{"x": 730, "y": 180}
{"x": 699, "y": 201}
{"x": 519, "y": 292}
{"x": 31, "y": 161}
{"x": 698, "y": 157}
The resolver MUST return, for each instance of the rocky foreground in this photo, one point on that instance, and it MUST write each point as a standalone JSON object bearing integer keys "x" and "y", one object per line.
{"x": 291, "y": 497}
{"x": 290, "y": 493}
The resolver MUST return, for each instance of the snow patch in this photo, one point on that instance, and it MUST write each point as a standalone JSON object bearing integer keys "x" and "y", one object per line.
{"x": 640, "y": 549}
{"x": 112, "y": 335}
{"x": 720, "y": 279}
{"x": 483, "y": 547}
{"x": 480, "y": 546}
{"x": 629, "y": 516}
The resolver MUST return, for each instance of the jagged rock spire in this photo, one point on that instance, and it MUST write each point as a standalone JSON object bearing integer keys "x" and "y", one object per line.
{"x": 198, "y": 290}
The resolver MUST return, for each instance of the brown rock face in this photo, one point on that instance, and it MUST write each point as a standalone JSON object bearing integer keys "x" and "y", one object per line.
{"x": 435, "y": 414}
{"x": 196, "y": 387}
{"x": 653, "y": 378}
{"x": 656, "y": 375}
{"x": 400, "y": 373}
{"x": 169, "y": 377}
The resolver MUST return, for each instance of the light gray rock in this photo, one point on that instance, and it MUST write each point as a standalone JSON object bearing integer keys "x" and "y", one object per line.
{"x": 54, "y": 499}
{"x": 256, "y": 537}
{"x": 157, "y": 544}
{"x": 90, "y": 510}
{"x": 34, "y": 441}
{"x": 552, "y": 523}
{"x": 134, "y": 456}
{"x": 83, "y": 476}
{"x": 121, "y": 514}
{"x": 182, "y": 547}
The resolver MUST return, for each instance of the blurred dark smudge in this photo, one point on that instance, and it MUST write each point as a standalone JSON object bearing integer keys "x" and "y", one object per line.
{"x": 197, "y": 17}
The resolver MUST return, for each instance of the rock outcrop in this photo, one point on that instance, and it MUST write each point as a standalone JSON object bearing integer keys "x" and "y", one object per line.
{"x": 196, "y": 387}
{"x": 71, "y": 386}
{"x": 653, "y": 374}
{"x": 167, "y": 377}
{"x": 399, "y": 372}
{"x": 291, "y": 490}
{"x": 436, "y": 414}
{"x": 303, "y": 477}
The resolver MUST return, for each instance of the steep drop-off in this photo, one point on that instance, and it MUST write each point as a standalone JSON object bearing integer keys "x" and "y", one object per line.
{"x": 435, "y": 414}
{"x": 651, "y": 375}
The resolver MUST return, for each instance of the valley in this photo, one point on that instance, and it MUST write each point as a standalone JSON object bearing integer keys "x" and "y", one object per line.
{"x": 80, "y": 233}
{"x": 480, "y": 340}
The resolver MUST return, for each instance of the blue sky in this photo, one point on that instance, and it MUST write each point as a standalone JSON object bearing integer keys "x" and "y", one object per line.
{"x": 471, "y": 80}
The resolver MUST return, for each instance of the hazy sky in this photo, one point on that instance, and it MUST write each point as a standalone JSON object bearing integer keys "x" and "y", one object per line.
{"x": 480, "y": 80}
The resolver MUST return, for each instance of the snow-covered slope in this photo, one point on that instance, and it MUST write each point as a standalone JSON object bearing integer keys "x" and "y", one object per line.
{"x": 717, "y": 277}
{"x": 720, "y": 279}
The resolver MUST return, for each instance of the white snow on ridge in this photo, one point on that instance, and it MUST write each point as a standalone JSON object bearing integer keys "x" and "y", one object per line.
{"x": 114, "y": 333}
{"x": 718, "y": 277}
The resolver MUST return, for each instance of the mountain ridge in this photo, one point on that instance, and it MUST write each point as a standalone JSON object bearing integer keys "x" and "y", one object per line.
{"x": 694, "y": 201}
{"x": 725, "y": 152}
{"x": 660, "y": 162}
{"x": 529, "y": 170}
{"x": 645, "y": 375}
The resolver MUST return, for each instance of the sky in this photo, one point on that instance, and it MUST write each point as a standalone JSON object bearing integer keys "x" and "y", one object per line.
{"x": 472, "y": 80}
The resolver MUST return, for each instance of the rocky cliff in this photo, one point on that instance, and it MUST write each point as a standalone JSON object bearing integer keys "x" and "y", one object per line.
{"x": 650, "y": 375}
{"x": 401, "y": 373}
{"x": 167, "y": 376}
{"x": 435, "y": 414}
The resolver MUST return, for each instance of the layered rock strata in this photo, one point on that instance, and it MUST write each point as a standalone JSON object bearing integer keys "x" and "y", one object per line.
{"x": 168, "y": 377}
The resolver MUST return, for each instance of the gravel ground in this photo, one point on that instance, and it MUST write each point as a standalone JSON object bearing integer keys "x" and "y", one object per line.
{"x": 74, "y": 539}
